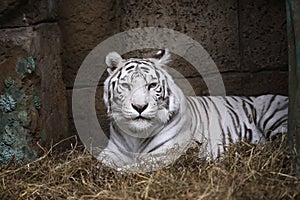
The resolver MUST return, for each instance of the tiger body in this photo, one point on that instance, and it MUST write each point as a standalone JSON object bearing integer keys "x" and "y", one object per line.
{"x": 153, "y": 122}
{"x": 226, "y": 120}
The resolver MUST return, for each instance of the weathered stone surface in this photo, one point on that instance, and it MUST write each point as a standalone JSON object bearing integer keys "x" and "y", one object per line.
{"x": 272, "y": 82}
{"x": 263, "y": 36}
{"x": 42, "y": 42}
{"x": 241, "y": 84}
{"x": 16, "y": 13}
{"x": 9, "y": 54}
{"x": 18, "y": 114}
{"x": 47, "y": 50}
{"x": 214, "y": 24}
{"x": 84, "y": 24}
{"x": 254, "y": 84}
{"x": 249, "y": 32}
{"x": 7, "y": 6}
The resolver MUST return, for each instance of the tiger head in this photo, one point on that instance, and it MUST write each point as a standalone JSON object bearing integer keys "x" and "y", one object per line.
{"x": 139, "y": 94}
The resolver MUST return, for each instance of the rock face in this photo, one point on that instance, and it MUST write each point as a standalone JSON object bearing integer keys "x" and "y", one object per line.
{"x": 30, "y": 55}
{"x": 47, "y": 50}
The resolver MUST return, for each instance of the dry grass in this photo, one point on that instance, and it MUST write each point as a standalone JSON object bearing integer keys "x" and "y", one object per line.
{"x": 255, "y": 173}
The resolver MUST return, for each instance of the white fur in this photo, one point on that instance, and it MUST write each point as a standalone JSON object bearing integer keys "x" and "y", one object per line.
{"x": 113, "y": 60}
{"x": 204, "y": 119}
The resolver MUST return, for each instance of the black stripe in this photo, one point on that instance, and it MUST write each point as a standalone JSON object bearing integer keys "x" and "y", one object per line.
{"x": 234, "y": 98}
{"x": 145, "y": 68}
{"x": 206, "y": 103}
{"x": 128, "y": 68}
{"x": 266, "y": 110}
{"x": 119, "y": 74}
{"x": 248, "y": 133}
{"x": 229, "y": 135}
{"x": 110, "y": 90}
{"x": 271, "y": 102}
{"x": 158, "y": 90}
{"x": 162, "y": 143}
{"x": 145, "y": 143}
{"x": 145, "y": 62}
{"x": 273, "y": 114}
{"x": 227, "y": 101}
{"x": 223, "y": 138}
{"x": 128, "y": 63}
{"x": 163, "y": 92}
{"x": 276, "y": 125}
{"x": 253, "y": 112}
{"x": 236, "y": 122}
{"x": 165, "y": 141}
{"x": 248, "y": 115}
{"x": 251, "y": 133}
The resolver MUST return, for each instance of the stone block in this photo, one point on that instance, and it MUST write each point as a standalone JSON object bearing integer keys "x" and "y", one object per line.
{"x": 42, "y": 43}
{"x": 214, "y": 24}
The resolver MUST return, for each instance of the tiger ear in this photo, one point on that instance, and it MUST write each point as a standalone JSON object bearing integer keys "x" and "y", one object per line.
{"x": 112, "y": 60}
{"x": 163, "y": 56}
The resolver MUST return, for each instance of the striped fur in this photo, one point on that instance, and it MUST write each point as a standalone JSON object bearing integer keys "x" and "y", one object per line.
{"x": 226, "y": 120}
{"x": 153, "y": 122}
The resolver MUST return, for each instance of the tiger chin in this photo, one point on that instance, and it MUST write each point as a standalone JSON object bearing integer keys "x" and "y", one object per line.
{"x": 152, "y": 122}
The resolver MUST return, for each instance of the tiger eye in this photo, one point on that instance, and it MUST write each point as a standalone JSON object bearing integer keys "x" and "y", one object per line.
{"x": 125, "y": 85}
{"x": 152, "y": 85}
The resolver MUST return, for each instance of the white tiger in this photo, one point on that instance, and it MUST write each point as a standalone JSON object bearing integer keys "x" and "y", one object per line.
{"x": 152, "y": 122}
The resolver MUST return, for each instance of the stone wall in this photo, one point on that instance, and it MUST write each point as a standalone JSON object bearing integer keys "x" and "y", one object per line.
{"x": 246, "y": 38}
{"x": 29, "y": 30}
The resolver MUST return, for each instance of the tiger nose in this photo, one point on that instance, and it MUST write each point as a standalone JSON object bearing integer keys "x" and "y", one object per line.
{"x": 139, "y": 108}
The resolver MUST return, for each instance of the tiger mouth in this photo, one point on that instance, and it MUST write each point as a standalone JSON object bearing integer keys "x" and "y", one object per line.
{"x": 141, "y": 118}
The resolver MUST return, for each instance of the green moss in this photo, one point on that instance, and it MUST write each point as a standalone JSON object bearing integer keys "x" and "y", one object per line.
{"x": 37, "y": 102}
{"x": 7, "y": 103}
{"x": 9, "y": 82}
{"x": 16, "y": 102}
{"x": 25, "y": 66}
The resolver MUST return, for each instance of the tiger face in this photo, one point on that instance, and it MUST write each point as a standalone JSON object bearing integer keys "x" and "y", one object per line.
{"x": 139, "y": 94}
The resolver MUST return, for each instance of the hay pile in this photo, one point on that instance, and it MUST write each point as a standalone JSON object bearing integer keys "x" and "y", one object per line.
{"x": 255, "y": 173}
